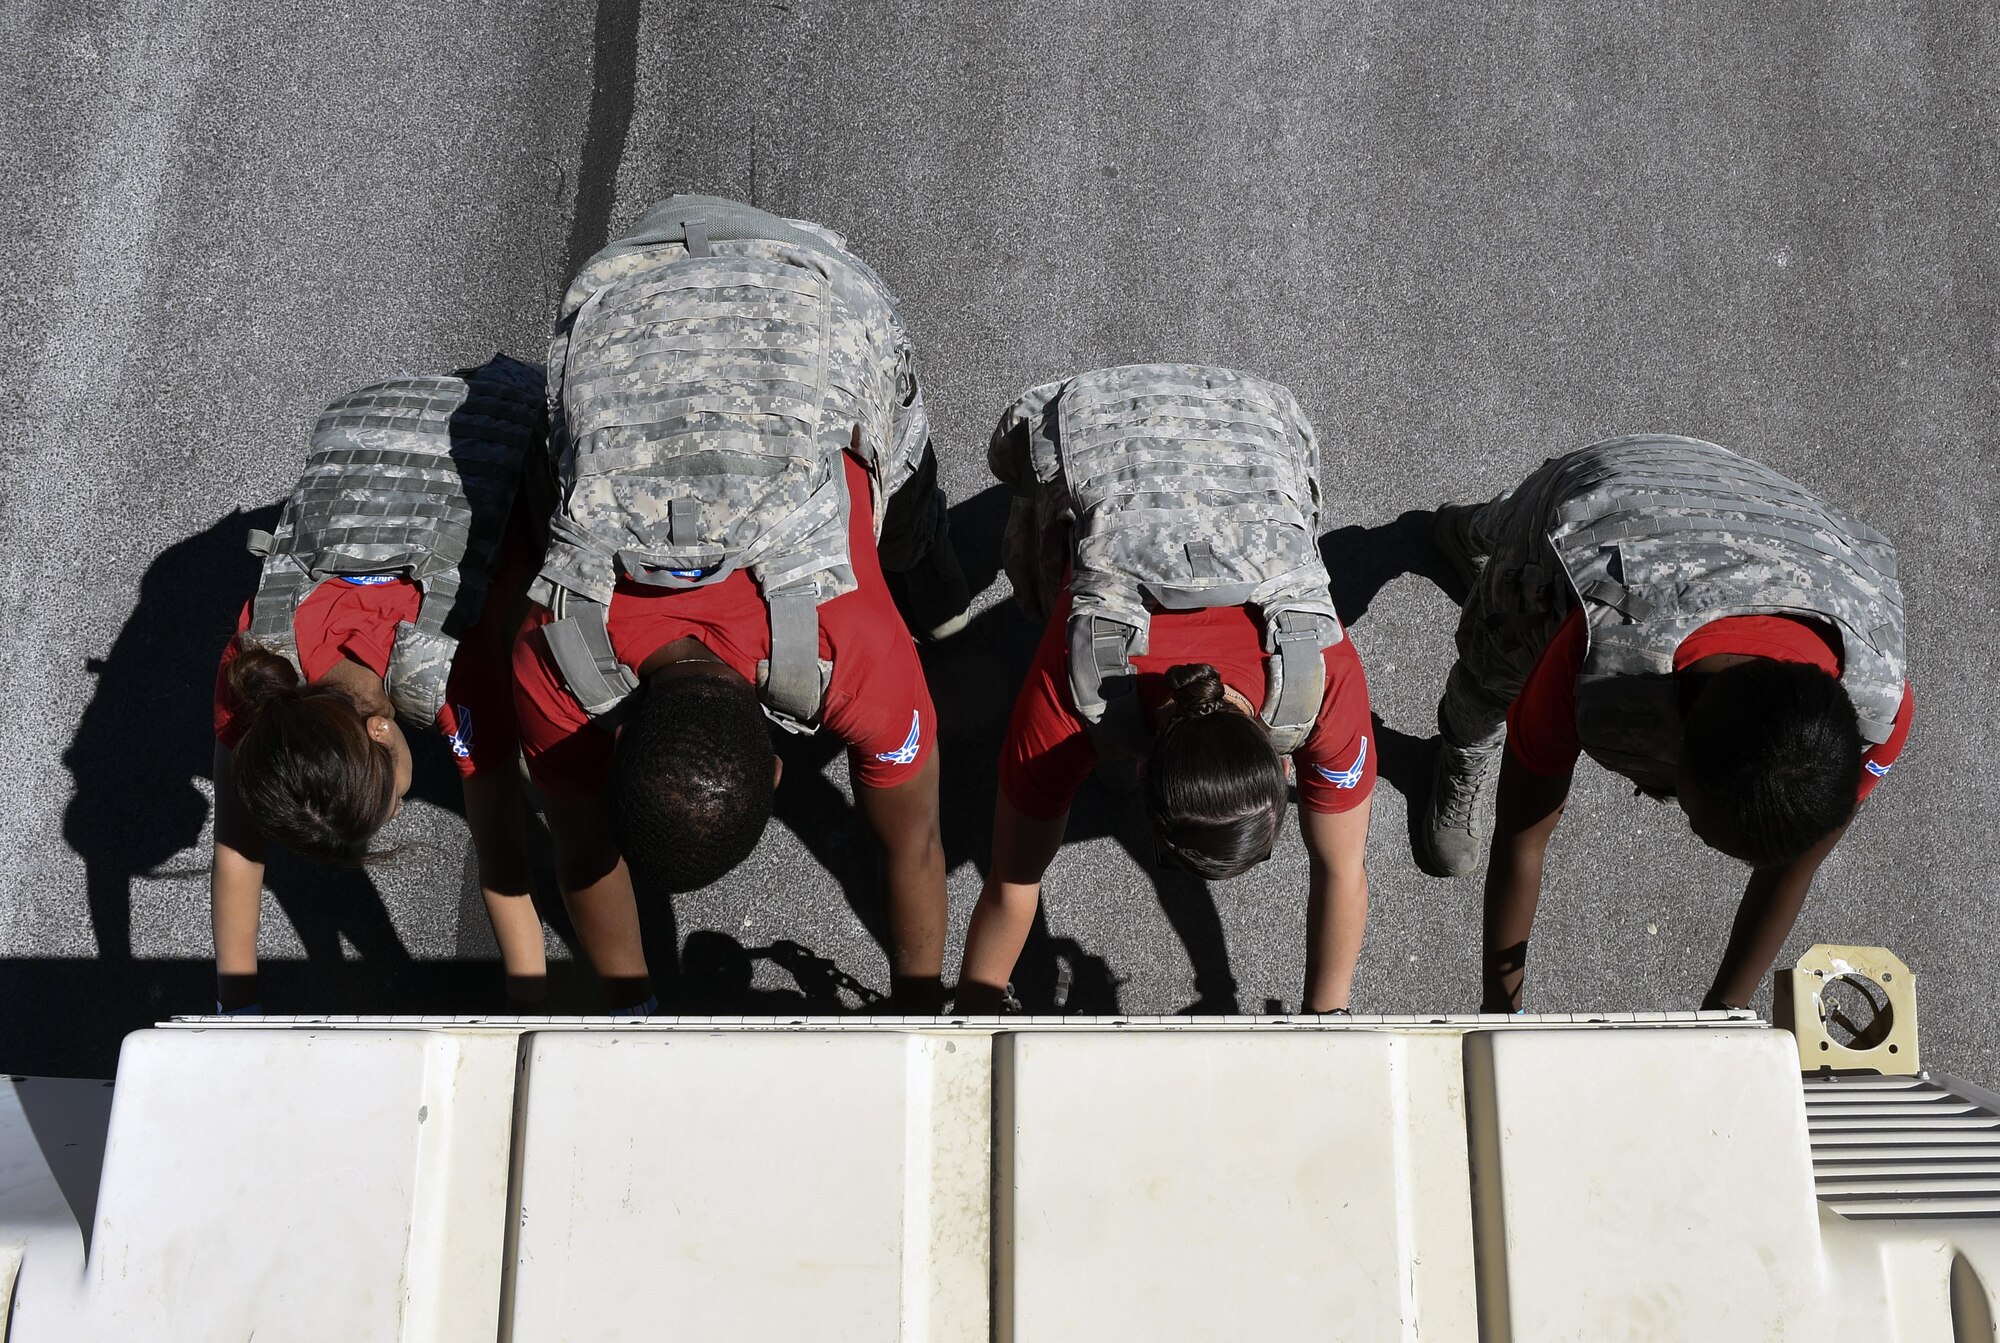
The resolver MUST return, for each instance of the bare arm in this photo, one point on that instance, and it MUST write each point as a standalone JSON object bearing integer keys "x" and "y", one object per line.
{"x": 235, "y": 891}
{"x": 1526, "y": 811}
{"x": 905, "y": 821}
{"x": 597, "y": 890}
{"x": 1337, "y": 905}
{"x": 1023, "y": 847}
{"x": 497, "y": 819}
{"x": 1771, "y": 904}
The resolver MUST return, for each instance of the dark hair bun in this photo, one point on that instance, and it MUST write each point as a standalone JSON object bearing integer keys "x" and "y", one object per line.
{"x": 1197, "y": 688}
{"x": 257, "y": 675}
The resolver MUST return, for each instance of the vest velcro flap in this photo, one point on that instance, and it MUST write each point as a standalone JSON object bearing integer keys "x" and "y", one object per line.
{"x": 580, "y": 645}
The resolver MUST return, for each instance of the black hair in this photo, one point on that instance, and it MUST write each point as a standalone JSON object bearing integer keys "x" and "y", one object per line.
{"x": 1775, "y": 748}
{"x": 307, "y": 773}
{"x": 691, "y": 780}
{"x": 1215, "y": 784}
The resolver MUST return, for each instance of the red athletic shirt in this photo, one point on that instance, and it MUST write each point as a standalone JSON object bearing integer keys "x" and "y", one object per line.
{"x": 877, "y": 703}
{"x": 345, "y": 618}
{"x": 1541, "y": 723}
{"x": 1048, "y": 751}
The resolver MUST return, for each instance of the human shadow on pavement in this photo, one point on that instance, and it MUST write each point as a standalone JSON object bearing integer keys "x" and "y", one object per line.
{"x": 1362, "y": 561}
{"x": 146, "y": 741}
{"x": 717, "y": 974}
{"x": 614, "y": 71}
{"x": 140, "y": 761}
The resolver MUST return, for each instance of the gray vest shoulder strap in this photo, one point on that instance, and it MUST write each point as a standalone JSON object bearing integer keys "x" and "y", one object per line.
{"x": 791, "y": 683}
{"x": 580, "y": 645}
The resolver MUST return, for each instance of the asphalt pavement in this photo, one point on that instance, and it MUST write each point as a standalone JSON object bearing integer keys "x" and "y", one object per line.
{"x": 1468, "y": 236}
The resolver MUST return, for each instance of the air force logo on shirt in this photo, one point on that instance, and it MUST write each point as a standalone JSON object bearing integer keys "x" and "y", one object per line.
{"x": 1349, "y": 777}
{"x": 461, "y": 740}
{"x": 1879, "y": 771}
{"x": 370, "y": 580}
{"x": 907, "y": 752}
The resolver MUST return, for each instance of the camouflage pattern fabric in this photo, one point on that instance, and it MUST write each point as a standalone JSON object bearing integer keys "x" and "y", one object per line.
{"x": 1169, "y": 487}
{"x": 706, "y": 373}
{"x": 413, "y": 478}
{"x": 1657, "y": 535}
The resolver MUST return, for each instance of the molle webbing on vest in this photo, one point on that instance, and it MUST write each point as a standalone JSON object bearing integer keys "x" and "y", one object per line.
{"x": 704, "y": 396}
{"x": 1659, "y": 535}
{"x": 1181, "y": 488}
{"x": 416, "y": 478}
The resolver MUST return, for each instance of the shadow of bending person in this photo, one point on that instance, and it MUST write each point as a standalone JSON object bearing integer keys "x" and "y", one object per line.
{"x": 141, "y": 759}
{"x": 147, "y": 734}
{"x": 1361, "y": 561}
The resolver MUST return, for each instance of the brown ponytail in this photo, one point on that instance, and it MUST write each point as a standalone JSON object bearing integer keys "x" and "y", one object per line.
{"x": 308, "y": 774}
{"x": 1197, "y": 689}
{"x": 1215, "y": 784}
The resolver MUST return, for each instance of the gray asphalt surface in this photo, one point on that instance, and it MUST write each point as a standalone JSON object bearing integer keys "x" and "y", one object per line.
{"x": 1469, "y": 238}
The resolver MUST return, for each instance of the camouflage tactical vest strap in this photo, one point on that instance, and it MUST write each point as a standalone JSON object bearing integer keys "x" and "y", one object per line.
{"x": 1659, "y": 535}
{"x": 1178, "y": 488}
{"x": 712, "y": 371}
{"x": 412, "y": 478}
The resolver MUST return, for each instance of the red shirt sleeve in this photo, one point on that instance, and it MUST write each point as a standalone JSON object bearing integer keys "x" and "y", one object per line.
{"x": 1877, "y": 761}
{"x": 1048, "y": 752}
{"x": 1541, "y": 722}
{"x": 566, "y": 752}
{"x": 1336, "y": 766}
{"x": 878, "y": 702}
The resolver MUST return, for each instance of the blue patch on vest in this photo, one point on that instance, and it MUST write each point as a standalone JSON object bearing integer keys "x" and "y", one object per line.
{"x": 461, "y": 740}
{"x": 370, "y": 580}
{"x": 687, "y": 573}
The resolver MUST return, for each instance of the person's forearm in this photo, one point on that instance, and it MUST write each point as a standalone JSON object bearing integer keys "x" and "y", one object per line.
{"x": 517, "y": 927}
{"x": 236, "y": 892}
{"x": 1513, "y": 888}
{"x": 1770, "y": 906}
{"x": 1000, "y": 924}
{"x": 495, "y": 815}
{"x": 606, "y": 918}
{"x": 1023, "y": 846}
{"x": 913, "y": 879}
{"x": 1337, "y": 914}
{"x": 1527, "y": 809}
{"x": 904, "y": 817}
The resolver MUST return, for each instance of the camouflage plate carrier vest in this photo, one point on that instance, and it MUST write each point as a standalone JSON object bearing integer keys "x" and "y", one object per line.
{"x": 706, "y": 373}
{"x": 1169, "y": 487}
{"x": 413, "y": 478}
{"x": 1660, "y": 535}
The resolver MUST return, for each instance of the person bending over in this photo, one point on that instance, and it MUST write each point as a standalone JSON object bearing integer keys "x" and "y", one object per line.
{"x": 1693, "y": 621}
{"x": 389, "y": 591}
{"x": 743, "y": 449}
{"x": 1165, "y": 524}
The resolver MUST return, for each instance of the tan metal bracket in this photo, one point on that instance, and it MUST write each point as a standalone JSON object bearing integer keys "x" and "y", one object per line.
{"x": 1887, "y": 1045}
